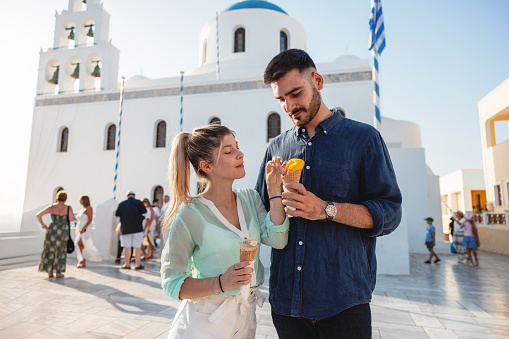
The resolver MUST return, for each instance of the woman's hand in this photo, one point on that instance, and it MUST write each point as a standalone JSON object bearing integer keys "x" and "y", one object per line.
{"x": 236, "y": 276}
{"x": 44, "y": 226}
{"x": 83, "y": 230}
{"x": 272, "y": 177}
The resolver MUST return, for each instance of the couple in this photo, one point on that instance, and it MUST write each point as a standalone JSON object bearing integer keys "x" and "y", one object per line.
{"x": 323, "y": 266}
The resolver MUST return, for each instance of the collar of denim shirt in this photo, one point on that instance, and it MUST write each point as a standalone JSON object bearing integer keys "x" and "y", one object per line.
{"x": 325, "y": 125}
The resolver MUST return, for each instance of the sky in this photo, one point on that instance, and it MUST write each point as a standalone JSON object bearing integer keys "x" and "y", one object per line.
{"x": 441, "y": 58}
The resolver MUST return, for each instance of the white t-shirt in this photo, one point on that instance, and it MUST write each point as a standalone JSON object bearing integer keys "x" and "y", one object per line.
{"x": 457, "y": 225}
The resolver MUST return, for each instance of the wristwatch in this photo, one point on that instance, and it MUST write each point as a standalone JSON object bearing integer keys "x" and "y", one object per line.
{"x": 330, "y": 210}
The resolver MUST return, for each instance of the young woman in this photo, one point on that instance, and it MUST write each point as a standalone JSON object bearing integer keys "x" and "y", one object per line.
{"x": 200, "y": 260}
{"x": 83, "y": 242}
{"x": 54, "y": 254}
{"x": 148, "y": 231}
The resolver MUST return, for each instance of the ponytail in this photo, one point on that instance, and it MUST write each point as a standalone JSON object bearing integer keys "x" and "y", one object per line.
{"x": 180, "y": 176}
{"x": 189, "y": 149}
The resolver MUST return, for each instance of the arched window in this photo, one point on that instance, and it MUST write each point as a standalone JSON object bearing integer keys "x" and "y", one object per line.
{"x": 110, "y": 137}
{"x": 273, "y": 126}
{"x": 215, "y": 121}
{"x": 64, "y": 140}
{"x": 239, "y": 40}
{"x": 161, "y": 134}
{"x": 283, "y": 41}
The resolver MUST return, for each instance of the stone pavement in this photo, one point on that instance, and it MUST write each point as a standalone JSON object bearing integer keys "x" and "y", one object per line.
{"x": 444, "y": 300}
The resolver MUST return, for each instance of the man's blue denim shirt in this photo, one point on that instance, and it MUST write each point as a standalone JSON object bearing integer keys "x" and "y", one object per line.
{"x": 328, "y": 267}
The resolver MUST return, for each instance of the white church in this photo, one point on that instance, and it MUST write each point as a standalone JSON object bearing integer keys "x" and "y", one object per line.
{"x": 76, "y": 118}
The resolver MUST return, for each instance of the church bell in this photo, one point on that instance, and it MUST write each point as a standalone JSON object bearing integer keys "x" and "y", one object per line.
{"x": 54, "y": 80}
{"x": 76, "y": 73}
{"x": 71, "y": 35}
{"x": 97, "y": 71}
{"x": 84, "y": 1}
{"x": 90, "y": 32}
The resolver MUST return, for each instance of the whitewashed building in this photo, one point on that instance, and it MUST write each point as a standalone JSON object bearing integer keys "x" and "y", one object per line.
{"x": 75, "y": 122}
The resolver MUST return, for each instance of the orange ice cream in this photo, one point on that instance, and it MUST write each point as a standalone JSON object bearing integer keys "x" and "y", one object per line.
{"x": 293, "y": 171}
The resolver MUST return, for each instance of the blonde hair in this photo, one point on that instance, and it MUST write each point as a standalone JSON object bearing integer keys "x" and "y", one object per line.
{"x": 189, "y": 149}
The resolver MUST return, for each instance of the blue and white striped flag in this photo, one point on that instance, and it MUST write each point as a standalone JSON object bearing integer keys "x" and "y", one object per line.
{"x": 376, "y": 24}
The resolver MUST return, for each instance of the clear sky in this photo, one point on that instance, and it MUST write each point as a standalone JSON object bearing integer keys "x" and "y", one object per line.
{"x": 441, "y": 58}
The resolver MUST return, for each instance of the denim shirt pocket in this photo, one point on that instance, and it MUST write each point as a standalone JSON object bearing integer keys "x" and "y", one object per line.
{"x": 331, "y": 180}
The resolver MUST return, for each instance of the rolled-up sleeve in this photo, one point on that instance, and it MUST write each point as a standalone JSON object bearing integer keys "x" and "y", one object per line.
{"x": 380, "y": 189}
{"x": 272, "y": 235}
{"x": 261, "y": 187}
{"x": 176, "y": 258}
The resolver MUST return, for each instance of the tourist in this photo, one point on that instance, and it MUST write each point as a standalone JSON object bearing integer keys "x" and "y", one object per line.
{"x": 148, "y": 231}
{"x": 321, "y": 283}
{"x": 471, "y": 239}
{"x": 458, "y": 235}
{"x": 205, "y": 231}
{"x": 131, "y": 213}
{"x": 83, "y": 241}
{"x": 54, "y": 254}
{"x": 430, "y": 241}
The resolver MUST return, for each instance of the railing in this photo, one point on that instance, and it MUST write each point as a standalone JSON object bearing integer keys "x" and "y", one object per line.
{"x": 496, "y": 219}
{"x": 492, "y": 219}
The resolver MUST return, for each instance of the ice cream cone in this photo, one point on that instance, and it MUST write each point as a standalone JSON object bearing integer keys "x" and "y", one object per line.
{"x": 292, "y": 177}
{"x": 248, "y": 249}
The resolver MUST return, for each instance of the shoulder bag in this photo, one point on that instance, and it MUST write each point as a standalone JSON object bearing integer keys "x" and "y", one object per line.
{"x": 70, "y": 243}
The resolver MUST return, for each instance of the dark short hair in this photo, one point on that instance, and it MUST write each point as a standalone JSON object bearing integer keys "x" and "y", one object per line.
{"x": 284, "y": 62}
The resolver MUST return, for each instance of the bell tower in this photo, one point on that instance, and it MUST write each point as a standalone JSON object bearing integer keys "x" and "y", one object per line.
{"x": 82, "y": 58}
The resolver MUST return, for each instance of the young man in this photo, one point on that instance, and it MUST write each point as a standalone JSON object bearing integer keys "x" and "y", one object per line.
{"x": 321, "y": 282}
{"x": 430, "y": 241}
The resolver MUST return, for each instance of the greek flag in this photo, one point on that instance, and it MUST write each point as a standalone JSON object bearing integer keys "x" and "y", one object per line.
{"x": 376, "y": 24}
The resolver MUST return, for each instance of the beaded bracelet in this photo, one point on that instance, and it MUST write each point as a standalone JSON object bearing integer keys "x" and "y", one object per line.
{"x": 221, "y": 287}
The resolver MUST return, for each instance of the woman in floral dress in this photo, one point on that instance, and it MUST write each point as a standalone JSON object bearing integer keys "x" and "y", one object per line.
{"x": 54, "y": 254}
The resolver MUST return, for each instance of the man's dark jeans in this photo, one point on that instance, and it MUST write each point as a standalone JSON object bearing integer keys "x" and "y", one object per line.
{"x": 353, "y": 323}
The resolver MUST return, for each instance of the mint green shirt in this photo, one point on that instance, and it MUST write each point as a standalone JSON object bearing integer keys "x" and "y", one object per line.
{"x": 199, "y": 236}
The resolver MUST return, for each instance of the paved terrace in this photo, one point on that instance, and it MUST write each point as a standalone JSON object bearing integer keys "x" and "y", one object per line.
{"x": 444, "y": 300}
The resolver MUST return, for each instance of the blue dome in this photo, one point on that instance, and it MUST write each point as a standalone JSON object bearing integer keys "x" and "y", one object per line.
{"x": 255, "y": 4}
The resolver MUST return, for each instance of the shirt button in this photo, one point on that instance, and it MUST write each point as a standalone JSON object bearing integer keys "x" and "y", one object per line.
{"x": 325, "y": 132}
{"x": 300, "y": 242}
{"x": 303, "y": 130}
{"x": 299, "y": 268}
{"x": 310, "y": 143}
{"x": 308, "y": 167}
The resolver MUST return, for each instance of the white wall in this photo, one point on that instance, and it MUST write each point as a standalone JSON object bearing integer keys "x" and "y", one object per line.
{"x": 410, "y": 168}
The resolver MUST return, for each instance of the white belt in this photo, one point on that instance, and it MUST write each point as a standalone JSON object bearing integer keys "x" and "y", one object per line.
{"x": 227, "y": 306}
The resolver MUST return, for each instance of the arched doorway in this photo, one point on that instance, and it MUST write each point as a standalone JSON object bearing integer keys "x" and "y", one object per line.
{"x": 158, "y": 195}
{"x": 58, "y": 189}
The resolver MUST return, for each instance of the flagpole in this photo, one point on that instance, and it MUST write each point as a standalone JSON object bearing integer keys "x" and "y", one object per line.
{"x": 118, "y": 139}
{"x": 217, "y": 46}
{"x": 181, "y": 101}
{"x": 376, "y": 45}
{"x": 376, "y": 90}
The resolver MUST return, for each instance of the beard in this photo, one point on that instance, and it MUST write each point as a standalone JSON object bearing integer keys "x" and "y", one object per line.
{"x": 311, "y": 110}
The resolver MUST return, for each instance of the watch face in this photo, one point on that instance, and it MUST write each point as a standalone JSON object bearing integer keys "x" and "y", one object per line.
{"x": 330, "y": 210}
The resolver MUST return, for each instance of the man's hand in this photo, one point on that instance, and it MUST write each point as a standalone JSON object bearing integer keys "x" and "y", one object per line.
{"x": 306, "y": 204}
